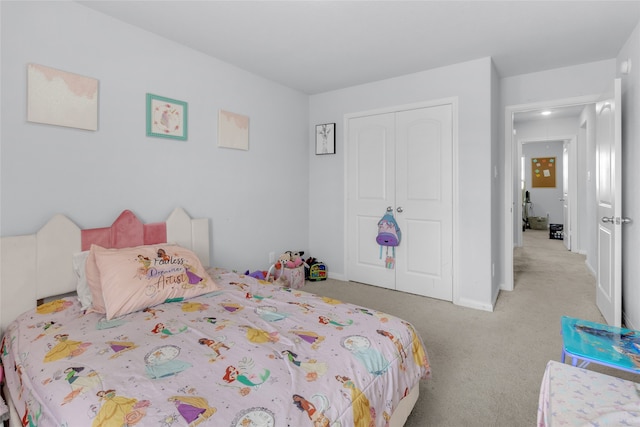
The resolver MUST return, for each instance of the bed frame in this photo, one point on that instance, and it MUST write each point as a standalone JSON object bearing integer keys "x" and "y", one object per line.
{"x": 38, "y": 266}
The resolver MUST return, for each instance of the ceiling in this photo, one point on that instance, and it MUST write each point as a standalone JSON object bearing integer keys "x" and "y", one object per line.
{"x": 555, "y": 113}
{"x": 319, "y": 46}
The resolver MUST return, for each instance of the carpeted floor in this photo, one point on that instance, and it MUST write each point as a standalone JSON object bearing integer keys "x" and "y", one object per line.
{"x": 487, "y": 366}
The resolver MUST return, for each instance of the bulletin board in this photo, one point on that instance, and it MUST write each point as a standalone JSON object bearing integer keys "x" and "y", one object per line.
{"x": 543, "y": 172}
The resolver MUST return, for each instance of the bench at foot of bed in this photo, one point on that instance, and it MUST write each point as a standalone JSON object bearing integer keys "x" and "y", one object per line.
{"x": 571, "y": 396}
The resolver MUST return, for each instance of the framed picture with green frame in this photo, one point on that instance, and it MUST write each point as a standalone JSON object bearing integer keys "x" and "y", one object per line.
{"x": 166, "y": 117}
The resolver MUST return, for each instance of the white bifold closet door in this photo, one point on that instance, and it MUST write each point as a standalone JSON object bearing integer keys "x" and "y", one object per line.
{"x": 402, "y": 160}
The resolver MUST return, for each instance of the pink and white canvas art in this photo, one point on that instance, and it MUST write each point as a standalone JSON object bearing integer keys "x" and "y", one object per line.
{"x": 61, "y": 98}
{"x": 233, "y": 130}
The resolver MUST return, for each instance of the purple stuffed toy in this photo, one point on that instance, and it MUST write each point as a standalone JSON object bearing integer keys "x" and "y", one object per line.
{"x": 260, "y": 275}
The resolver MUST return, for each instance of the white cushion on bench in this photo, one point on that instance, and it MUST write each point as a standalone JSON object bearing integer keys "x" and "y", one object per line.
{"x": 571, "y": 396}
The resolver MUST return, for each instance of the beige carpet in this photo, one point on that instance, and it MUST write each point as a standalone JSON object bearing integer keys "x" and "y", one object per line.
{"x": 487, "y": 366}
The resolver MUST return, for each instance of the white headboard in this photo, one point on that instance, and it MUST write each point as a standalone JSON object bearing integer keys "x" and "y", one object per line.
{"x": 39, "y": 265}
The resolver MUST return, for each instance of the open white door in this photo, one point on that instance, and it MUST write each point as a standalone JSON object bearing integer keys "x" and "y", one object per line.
{"x": 608, "y": 199}
{"x": 566, "y": 218}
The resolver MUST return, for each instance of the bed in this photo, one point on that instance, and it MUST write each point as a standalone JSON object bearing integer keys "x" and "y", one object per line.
{"x": 175, "y": 342}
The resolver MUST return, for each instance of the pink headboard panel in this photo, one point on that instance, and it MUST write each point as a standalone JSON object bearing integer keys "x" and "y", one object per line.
{"x": 126, "y": 231}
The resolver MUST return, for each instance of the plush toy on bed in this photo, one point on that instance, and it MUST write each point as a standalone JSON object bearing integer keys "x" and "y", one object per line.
{"x": 258, "y": 274}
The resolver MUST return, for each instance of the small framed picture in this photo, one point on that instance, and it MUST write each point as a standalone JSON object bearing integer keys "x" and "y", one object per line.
{"x": 326, "y": 138}
{"x": 166, "y": 118}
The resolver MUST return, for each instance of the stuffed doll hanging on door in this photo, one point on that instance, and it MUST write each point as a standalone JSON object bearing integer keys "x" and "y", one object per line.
{"x": 389, "y": 235}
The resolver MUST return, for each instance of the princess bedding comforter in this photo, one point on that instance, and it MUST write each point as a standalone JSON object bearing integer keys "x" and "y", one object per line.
{"x": 247, "y": 353}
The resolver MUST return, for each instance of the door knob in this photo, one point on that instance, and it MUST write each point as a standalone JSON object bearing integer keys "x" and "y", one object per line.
{"x": 389, "y": 209}
{"x": 608, "y": 219}
{"x": 624, "y": 220}
{"x": 399, "y": 209}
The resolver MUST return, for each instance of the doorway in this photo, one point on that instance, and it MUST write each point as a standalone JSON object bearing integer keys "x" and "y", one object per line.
{"x": 512, "y": 194}
{"x": 552, "y": 203}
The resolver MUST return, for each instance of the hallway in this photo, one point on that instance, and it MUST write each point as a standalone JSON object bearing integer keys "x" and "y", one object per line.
{"x": 548, "y": 260}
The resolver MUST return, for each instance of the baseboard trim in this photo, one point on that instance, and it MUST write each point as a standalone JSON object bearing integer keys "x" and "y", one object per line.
{"x": 469, "y": 303}
{"x": 591, "y": 270}
{"x": 337, "y": 276}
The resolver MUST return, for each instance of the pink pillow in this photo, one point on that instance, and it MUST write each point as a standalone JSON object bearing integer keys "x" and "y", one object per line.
{"x": 136, "y": 278}
{"x": 93, "y": 280}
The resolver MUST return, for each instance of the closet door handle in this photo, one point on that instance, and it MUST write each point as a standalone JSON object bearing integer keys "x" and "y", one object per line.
{"x": 399, "y": 209}
{"x": 389, "y": 209}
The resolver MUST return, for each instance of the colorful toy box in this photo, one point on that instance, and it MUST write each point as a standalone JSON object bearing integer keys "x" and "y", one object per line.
{"x": 317, "y": 271}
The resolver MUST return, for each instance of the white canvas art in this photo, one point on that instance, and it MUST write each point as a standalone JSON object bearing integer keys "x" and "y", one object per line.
{"x": 61, "y": 98}
{"x": 233, "y": 130}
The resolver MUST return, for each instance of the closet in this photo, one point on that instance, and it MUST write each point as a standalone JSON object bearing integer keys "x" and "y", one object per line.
{"x": 402, "y": 160}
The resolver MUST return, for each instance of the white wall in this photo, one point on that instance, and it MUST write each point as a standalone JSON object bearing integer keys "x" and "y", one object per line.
{"x": 631, "y": 180}
{"x": 256, "y": 199}
{"x": 496, "y": 183}
{"x": 559, "y": 83}
{"x": 471, "y": 83}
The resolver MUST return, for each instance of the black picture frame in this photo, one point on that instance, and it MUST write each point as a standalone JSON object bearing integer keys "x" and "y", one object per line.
{"x": 326, "y": 139}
